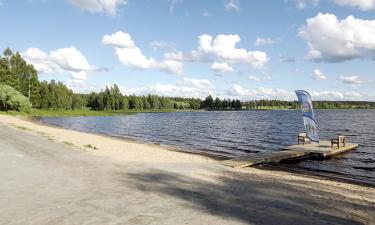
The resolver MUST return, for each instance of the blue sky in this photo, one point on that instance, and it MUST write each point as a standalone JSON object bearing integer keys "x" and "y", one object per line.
{"x": 192, "y": 48}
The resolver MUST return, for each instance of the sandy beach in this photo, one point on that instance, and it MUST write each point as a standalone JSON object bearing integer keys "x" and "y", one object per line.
{"x": 51, "y": 175}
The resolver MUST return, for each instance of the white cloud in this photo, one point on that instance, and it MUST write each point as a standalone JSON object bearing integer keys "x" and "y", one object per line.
{"x": 360, "y": 4}
{"x": 134, "y": 57}
{"x": 318, "y": 75}
{"x": 221, "y": 67}
{"x": 333, "y": 40}
{"x": 195, "y": 83}
{"x": 187, "y": 87}
{"x": 351, "y": 79}
{"x": 326, "y": 95}
{"x": 99, "y": 6}
{"x": 222, "y": 52}
{"x": 224, "y": 47}
{"x": 193, "y": 56}
{"x": 170, "y": 66}
{"x": 233, "y": 5}
{"x": 129, "y": 54}
{"x": 119, "y": 39}
{"x": 266, "y": 41}
{"x": 81, "y": 76}
{"x": 63, "y": 60}
{"x": 335, "y": 95}
{"x": 80, "y": 86}
{"x": 156, "y": 45}
{"x": 254, "y": 78}
{"x": 177, "y": 56}
{"x": 302, "y": 4}
{"x": 237, "y": 91}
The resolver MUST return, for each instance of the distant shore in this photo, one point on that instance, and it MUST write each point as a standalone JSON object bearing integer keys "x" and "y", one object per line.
{"x": 195, "y": 184}
{"x": 88, "y": 112}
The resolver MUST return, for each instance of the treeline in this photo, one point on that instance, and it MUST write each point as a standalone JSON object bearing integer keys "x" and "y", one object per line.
{"x": 235, "y": 104}
{"x": 112, "y": 99}
{"x": 344, "y": 105}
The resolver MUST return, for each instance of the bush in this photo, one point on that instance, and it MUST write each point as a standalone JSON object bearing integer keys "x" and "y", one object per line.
{"x": 11, "y": 99}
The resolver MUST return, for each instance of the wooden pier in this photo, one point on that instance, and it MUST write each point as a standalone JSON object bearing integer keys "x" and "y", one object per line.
{"x": 322, "y": 150}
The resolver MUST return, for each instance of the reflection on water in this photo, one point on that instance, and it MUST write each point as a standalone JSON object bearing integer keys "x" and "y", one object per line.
{"x": 238, "y": 133}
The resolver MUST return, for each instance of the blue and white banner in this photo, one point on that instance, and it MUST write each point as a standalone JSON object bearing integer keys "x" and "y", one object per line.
{"x": 311, "y": 127}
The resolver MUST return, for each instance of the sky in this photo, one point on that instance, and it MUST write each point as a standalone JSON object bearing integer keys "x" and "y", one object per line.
{"x": 244, "y": 49}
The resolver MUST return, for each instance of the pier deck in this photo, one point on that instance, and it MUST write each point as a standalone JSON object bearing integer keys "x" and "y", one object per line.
{"x": 322, "y": 150}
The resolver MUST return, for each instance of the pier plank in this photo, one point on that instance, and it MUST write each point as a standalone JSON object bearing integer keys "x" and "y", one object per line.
{"x": 323, "y": 150}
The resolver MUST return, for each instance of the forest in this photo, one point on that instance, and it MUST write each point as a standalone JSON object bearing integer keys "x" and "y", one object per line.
{"x": 17, "y": 76}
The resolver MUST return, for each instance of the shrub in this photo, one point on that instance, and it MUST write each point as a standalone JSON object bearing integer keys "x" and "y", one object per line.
{"x": 11, "y": 99}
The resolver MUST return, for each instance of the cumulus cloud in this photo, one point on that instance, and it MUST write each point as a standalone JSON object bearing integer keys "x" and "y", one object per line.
{"x": 351, "y": 79}
{"x": 333, "y": 40}
{"x": 266, "y": 41}
{"x": 224, "y": 47}
{"x": 63, "y": 60}
{"x": 318, "y": 75}
{"x": 233, "y": 5}
{"x": 99, "y": 6}
{"x": 119, "y": 39}
{"x": 360, "y": 4}
{"x": 221, "y": 67}
{"x": 129, "y": 54}
{"x": 187, "y": 87}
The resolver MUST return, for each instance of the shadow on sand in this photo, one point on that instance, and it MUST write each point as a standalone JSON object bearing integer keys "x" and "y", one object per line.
{"x": 252, "y": 200}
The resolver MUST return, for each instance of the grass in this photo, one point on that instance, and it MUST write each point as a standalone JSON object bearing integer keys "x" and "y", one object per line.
{"x": 14, "y": 113}
{"x": 90, "y": 146}
{"x": 68, "y": 143}
{"x": 21, "y": 127}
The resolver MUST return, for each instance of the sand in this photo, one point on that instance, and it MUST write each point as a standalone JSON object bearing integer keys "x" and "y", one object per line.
{"x": 51, "y": 176}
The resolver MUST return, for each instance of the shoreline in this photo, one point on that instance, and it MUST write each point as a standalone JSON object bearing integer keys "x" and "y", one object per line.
{"x": 276, "y": 167}
{"x": 171, "y": 186}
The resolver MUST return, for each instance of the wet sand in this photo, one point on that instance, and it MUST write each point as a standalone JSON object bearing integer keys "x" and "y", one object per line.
{"x": 51, "y": 175}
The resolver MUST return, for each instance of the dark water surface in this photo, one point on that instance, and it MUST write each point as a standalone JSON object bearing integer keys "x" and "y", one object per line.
{"x": 240, "y": 133}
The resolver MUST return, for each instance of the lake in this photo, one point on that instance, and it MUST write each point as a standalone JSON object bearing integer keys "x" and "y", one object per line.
{"x": 240, "y": 133}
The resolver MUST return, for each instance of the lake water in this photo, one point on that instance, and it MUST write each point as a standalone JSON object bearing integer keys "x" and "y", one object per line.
{"x": 240, "y": 133}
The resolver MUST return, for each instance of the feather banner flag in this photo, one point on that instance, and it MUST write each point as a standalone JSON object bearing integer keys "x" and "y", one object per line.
{"x": 309, "y": 121}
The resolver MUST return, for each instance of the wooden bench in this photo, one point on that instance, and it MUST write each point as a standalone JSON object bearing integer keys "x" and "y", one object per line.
{"x": 302, "y": 138}
{"x": 338, "y": 140}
